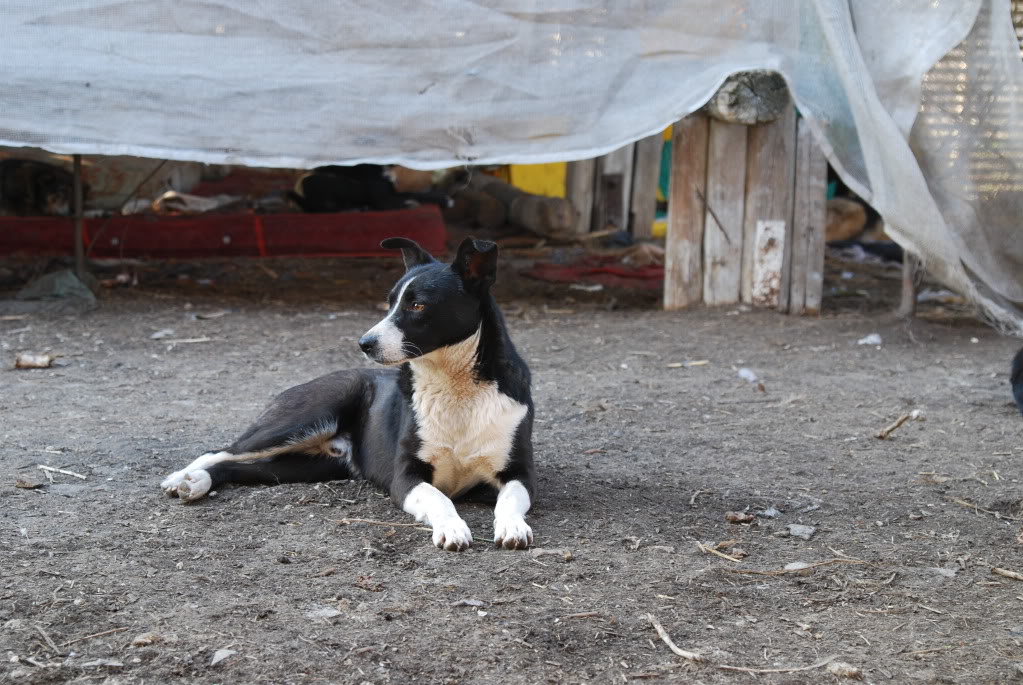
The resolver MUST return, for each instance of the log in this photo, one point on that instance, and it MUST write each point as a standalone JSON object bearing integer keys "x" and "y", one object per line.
{"x": 750, "y": 97}
{"x": 551, "y": 217}
{"x": 614, "y": 189}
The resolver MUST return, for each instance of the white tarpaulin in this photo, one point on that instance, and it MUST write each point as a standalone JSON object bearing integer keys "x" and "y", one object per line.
{"x": 431, "y": 83}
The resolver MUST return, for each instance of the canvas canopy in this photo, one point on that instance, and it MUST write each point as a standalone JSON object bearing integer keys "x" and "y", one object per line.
{"x": 917, "y": 103}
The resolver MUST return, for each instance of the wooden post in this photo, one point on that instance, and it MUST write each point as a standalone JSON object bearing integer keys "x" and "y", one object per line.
{"x": 807, "y": 259}
{"x": 614, "y": 177}
{"x": 579, "y": 180}
{"x": 683, "y": 252}
{"x": 646, "y": 173}
{"x": 770, "y": 177}
{"x": 769, "y": 257}
{"x": 907, "y": 301}
{"x": 79, "y": 213}
{"x": 726, "y": 184}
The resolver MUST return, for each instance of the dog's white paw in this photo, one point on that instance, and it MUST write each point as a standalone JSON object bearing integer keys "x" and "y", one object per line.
{"x": 512, "y": 533}
{"x": 452, "y": 534}
{"x": 188, "y": 486}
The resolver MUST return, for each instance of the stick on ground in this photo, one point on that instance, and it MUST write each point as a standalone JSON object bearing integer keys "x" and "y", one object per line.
{"x": 692, "y": 656}
{"x": 64, "y": 471}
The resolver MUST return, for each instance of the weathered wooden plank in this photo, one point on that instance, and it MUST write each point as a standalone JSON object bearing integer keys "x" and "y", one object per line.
{"x": 768, "y": 258}
{"x": 808, "y": 216}
{"x": 614, "y": 176}
{"x": 683, "y": 254}
{"x": 817, "y": 219}
{"x": 770, "y": 180}
{"x": 646, "y": 172}
{"x": 579, "y": 185}
{"x": 726, "y": 184}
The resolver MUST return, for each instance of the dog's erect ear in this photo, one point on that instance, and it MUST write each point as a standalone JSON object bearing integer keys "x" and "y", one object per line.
{"x": 410, "y": 252}
{"x": 476, "y": 263}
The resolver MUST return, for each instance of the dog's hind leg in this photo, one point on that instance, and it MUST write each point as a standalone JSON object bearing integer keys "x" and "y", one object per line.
{"x": 332, "y": 460}
{"x": 297, "y": 438}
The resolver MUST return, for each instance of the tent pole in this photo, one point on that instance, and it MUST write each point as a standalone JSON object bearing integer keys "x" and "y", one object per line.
{"x": 79, "y": 217}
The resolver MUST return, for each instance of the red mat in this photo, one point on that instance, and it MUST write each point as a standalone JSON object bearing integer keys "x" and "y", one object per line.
{"x": 348, "y": 234}
{"x": 605, "y": 271}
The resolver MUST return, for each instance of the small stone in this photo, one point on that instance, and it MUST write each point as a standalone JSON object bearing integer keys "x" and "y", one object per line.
{"x": 324, "y": 612}
{"x": 801, "y": 531}
{"x": 800, "y": 568}
{"x": 841, "y": 669}
{"x": 740, "y": 517}
{"x": 467, "y": 603}
{"x": 220, "y": 655}
{"x": 769, "y": 513}
{"x": 564, "y": 554}
{"x": 146, "y": 639}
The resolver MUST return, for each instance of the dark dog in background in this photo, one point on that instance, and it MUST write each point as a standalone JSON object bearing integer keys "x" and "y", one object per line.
{"x": 30, "y": 188}
{"x": 453, "y": 413}
{"x": 361, "y": 187}
{"x": 1016, "y": 378}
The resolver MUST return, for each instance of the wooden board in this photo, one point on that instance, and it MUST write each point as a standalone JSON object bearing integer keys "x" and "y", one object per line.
{"x": 770, "y": 176}
{"x": 808, "y": 217}
{"x": 646, "y": 173}
{"x": 683, "y": 251}
{"x": 726, "y": 186}
{"x": 768, "y": 258}
{"x": 579, "y": 191}
{"x": 615, "y": 182}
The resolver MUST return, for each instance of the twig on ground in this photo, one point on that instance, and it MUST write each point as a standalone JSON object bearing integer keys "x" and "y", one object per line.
{"x": 970, "y": 505}
{"x": 581, "y": 614}
{"x": 692, "y": 500}
{"x": 796, "y": 669}
{"x": 892, "y": 427}
{"x": 692, "y": 656}
{"x": 185, "y": 341}
{"x": 64, "y": 471}
{"x": 371, "y": 522}
{"x": 49, "y": 641}
{"x": 89, "y": 637}
{"x": 1005, "y": 573}
{"x": 711, "y": 550}
{"x": 784, "y": 571}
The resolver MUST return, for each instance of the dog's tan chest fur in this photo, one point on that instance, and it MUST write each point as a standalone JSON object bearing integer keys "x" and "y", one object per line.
{"x": 466, "y": 427}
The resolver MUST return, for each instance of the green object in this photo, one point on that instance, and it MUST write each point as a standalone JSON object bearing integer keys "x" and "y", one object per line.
{"x": 56, "y": 286}
{"x": 832, "y": 189}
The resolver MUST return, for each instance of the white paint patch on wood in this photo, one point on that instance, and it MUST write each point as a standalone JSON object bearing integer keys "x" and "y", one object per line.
{"x": 768, "y": 257}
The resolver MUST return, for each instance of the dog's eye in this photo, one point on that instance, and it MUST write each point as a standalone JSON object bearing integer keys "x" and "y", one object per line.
{"x": 417, "y": 307}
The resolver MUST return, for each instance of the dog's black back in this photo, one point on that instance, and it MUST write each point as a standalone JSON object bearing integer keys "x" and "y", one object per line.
{"x": 30, "y": 188}
{"x": 336, "y": 188}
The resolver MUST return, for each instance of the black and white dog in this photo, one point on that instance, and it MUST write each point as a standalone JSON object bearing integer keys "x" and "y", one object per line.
{"x": 454, "y": 414}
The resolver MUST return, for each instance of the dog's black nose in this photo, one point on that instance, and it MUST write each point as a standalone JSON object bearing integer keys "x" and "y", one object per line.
{"x": 367, "y": 343}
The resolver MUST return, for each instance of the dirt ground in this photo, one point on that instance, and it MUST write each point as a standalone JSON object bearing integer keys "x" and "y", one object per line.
{"x": 646, "y": 439}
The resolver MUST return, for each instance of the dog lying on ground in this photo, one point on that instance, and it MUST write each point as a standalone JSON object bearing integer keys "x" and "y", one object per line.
{"x": 1016, "y": 377}
{"x": 361, "y": 187}
{"x": 452, "y": 412}
{"x": 30, "y": 188}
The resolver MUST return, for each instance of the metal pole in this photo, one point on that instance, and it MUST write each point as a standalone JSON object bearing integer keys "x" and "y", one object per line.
{"x": 79, "y": 218}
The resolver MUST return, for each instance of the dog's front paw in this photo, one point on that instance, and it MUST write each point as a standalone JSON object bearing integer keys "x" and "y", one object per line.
{"x": 452, "y": 534}
{"x": 512, "y": 533}
{"x": 188, "y": 486}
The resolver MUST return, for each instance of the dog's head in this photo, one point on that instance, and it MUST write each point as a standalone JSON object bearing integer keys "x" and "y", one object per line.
{"x": 433, "y": 305}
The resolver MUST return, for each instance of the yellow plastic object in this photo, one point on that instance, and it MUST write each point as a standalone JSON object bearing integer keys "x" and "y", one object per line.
{"x": 660, "y": 228}
{"x": 540, "y": 179}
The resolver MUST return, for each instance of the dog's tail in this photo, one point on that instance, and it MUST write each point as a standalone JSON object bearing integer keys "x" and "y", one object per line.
{"x": 1017, "y": 379}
